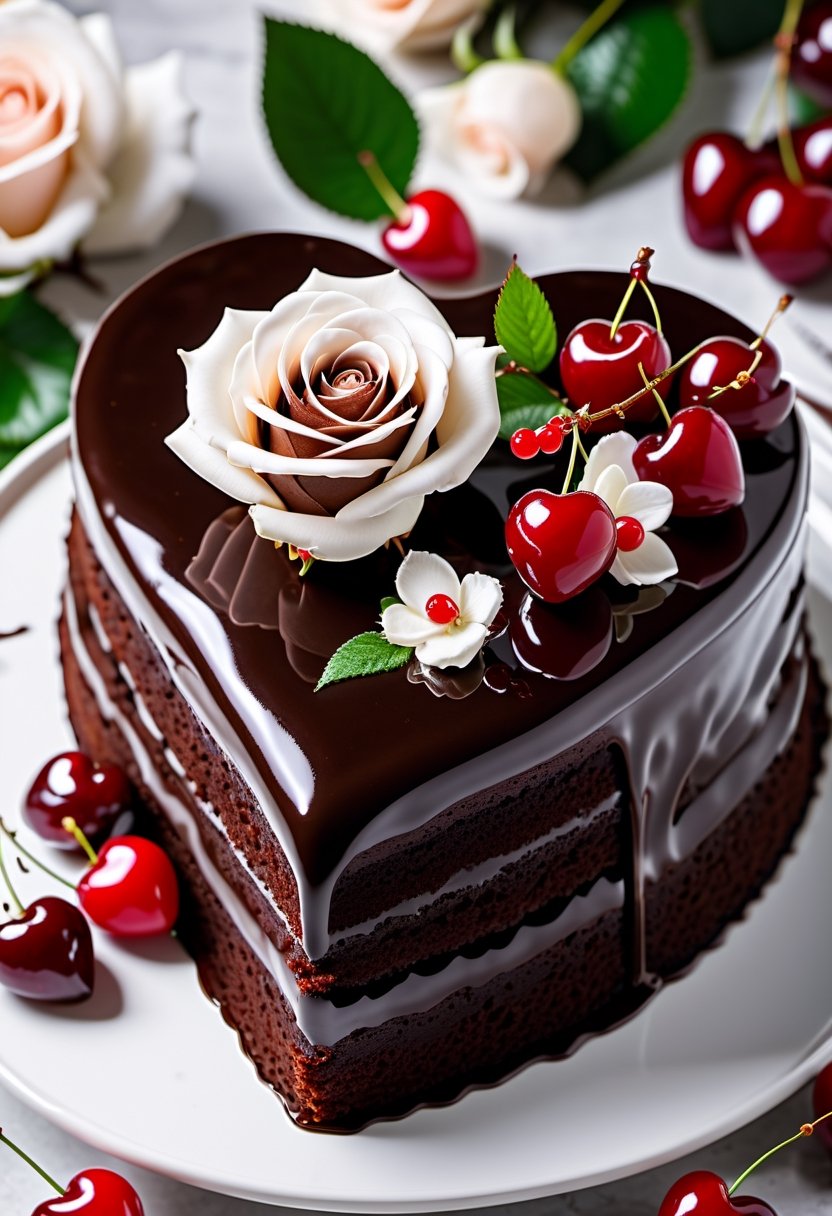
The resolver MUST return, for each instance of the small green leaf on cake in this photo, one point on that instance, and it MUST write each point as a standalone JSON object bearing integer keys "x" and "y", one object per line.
{"x": 523, "y": 322}
{"x": 630, "y": 79}
{"x": 368, "y": 654}
{"x": 525, "y": 401}
{"x": 388, "y": 601}
{"x": 529, "y": 417}
{"x": 325, "y": 103}
{"x": 37, "y": 359}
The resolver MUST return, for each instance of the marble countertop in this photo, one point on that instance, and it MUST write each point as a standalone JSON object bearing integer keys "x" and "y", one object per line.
{"x": 240, "y": 188}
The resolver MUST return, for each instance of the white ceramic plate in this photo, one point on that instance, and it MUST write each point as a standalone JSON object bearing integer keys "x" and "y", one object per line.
{"x": 148, "y": 1071}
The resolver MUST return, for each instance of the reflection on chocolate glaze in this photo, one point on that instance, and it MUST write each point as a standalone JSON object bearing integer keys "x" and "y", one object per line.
{"x": 453, "y": 682}
{"x": 630, "y": 602}
{"x": 563, "y": 641}
{"x": 707, "y": 551}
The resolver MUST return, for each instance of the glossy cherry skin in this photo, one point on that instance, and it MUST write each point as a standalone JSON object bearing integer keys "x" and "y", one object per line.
{"x": 94, "y": 1192}
{"x": 756, "y": 408}
{"x": 811, "y": 65}
{"x": 718, "y": 168}
{"x": 563, "y": 641}
{"x": 560, "y": 543}
{"x": 786, "y": 227}
{"x": 601, "y": 371}
{"x": 434, "y": 240}
{"x": 702, "y": 1193}
{"x": 813, "y": 149}
{"x": 822, "y": 1104}
{"x": 132, "y": 890}
{"x": 698, "y": 458}
{"x": 46, "y": 954}
{"x": 95, "y": 795}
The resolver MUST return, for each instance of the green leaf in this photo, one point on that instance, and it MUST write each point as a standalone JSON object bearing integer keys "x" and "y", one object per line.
{"x": 629, "y": 79}
{"x": 37, "y": 359}
{"x": 734, "y": 26}
{"x": 325, "y": 102}
{"x": 523, "y": 322}
{"x": 389, "y": 601}
{"x": 531, "y": 416}
{"x": 525, "y": 401}
{"x": 368, "y": 654}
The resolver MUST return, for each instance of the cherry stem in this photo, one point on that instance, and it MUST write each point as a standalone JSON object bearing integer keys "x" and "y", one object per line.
{"x": 782, "y": 304}
{"x": 7, "y": 880}
{"x": 622, "y": 307}
{"x": 581, "y": 447}
{"x": 505, "y": 41}
{"x": 638, "y": 274}
{"x": 41, "y": 865}
{"x": 464, "y": 57}
{"x": 573, "y": 454}
{"x": 742, "y": 378}
{"x": 656, "y": 394}
{"x": 784, "y": 42}
{"x": 653, "y": 305}
{"x": 388, "y": 192}
{"x": 37, "y": 1168}
{"x": 755, "y": 130}
{"x": 806, "y": 1130}
{"x": 594, "y": 22}
{"x": 620, "y": 406}
{"x": 69, "y": 825}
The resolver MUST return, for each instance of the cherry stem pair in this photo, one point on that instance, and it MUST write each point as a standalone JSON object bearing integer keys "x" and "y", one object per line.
{"x": 638, "y": 275}
{"x": 70, "y": 826}
{"x": 805, "y": 1130}
{"x": 778, "y": 83}
{"x": 9, "y": 886}
{"x": 34, "y": 1165}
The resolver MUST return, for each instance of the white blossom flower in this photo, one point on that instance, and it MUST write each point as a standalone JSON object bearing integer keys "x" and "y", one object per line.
{"x": 642, "y": 557}
{"x": 446, "y": 620}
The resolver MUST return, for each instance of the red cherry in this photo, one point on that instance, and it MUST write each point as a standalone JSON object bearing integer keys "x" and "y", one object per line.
{"x": 601, "y": 370}
{"x": 717, "y": 169}
{"x": 441, "y": 609}
{"x": 433, "y": 239}
{"x": 813, "y": 149}
{"x": 95, "y": 795}
{"x": 787, "y": 227}
{"x": 697, "y": 458}
{"x": 563, "y": 641}
{"x": 524, "y": 444}
{"x": 46, "y": 953}
{"x": 94, "y": 1192}
{"x": 756, "y": 408}
{"x": 811, "y": 64}
{"x": 702, "y": 1193}
{"x": 131, "y": 890}
{"x": 550, "y": 437}
{"x": 822, "y": 1104}
{"x": 560, "y": 543}
{"x": 630, "y": 532}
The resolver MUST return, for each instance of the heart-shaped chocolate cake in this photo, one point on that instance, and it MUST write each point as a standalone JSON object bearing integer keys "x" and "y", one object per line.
{"x": 407, "y": 883}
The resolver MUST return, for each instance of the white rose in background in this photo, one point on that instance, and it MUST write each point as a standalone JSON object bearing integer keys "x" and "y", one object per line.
{"x": 504, "y": 126}
{"x": 408, "y": 25}
{"x": 90, "y": 152}
{"x": 336, "y": 413}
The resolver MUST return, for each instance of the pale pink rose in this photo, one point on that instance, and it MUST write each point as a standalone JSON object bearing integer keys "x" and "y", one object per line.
{"x": 407, "y": 25}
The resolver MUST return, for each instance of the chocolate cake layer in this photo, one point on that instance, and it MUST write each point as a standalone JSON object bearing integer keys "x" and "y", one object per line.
{"x": 400, "y": 873}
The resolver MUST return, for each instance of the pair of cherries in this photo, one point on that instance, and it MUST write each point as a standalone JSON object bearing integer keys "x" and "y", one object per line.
{"x": 129, "y": 890}
{"x": 92, "y": 1192}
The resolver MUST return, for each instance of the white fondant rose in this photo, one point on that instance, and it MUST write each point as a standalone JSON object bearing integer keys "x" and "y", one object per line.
{"x": 610, "y": 473}
{"x": 88, "y": 151}
{"x": 334, "y": 414}
{"x": 408, "y": 25}
{"x": 504, "y": 126}
{"x": 453, "y": 640}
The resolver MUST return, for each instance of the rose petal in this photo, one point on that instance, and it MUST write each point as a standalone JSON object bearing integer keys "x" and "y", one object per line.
{"x": 333, "y": 539}
{"x": 422, "y": 575}
{"x": 480, "y": 598}
{"x": 610, "y": 485}
{"x": 386, "y": 292}
{"x": 71, "y": 217}
{"x": 412, "y": 25}
{"x": 209, "y": 371}
{"x": 454, "y": 647}
{"x": 650, "y": 563}
{"x": 249, "y": 456}
{"x": 648, "y": 502}
{"x": 403, "y": 626}
{"x": 610, "y": 449}
{"x": 270, "y": 336}
{"x": 213, "y": 464}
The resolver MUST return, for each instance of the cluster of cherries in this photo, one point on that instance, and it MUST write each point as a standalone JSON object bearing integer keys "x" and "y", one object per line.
{"x": 728, "y": 390}
{"x": 755, "y": 199}
{"x": 703, "y": 1193}
{"x": 129, "y": 889}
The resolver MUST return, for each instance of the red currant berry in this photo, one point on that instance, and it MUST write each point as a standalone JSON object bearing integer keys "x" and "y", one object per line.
{"x": 550, "y": 437}
{"x": 524, "y": 444}
{"x": 441, "y": 609}
{"x": 630, "y": 532}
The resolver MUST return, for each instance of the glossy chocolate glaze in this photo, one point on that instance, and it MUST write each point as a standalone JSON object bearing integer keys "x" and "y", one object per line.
{"x": 363, "y": 761}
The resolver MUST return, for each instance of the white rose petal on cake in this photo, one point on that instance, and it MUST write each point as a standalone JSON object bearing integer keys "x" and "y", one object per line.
{"x": 504, "y": 126}
{"x": 336, "y": 413}
{"x": 445, "y": 620}
{"x": 639, "y": 507}
{"x": 83, "y": 141}
{"x": 406, "y": 25}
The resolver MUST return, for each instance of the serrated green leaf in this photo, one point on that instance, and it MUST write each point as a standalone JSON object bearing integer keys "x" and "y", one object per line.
{"x": 735, "y": 26}
{"x": 37, "y": 359}
{"x": 523, "y": 322}
{"x": 516, "y": 388}
{"x": 368, "y": 654}
{"x": 629, "y": 79}
{"x": 389, "y": 601}
{"x": 531, "y": 416}
{"x": 325, "y": 102}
